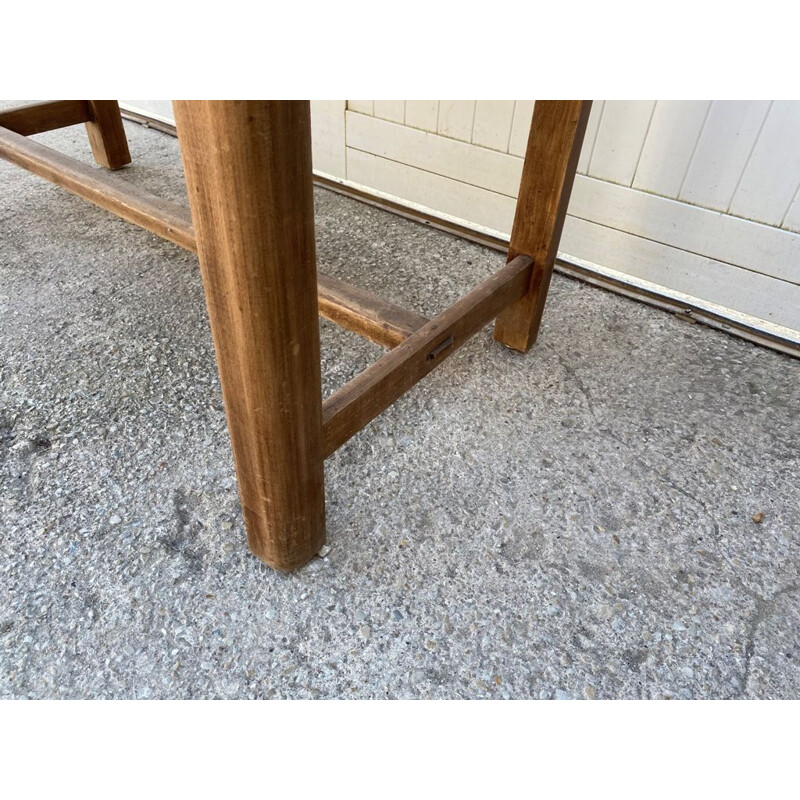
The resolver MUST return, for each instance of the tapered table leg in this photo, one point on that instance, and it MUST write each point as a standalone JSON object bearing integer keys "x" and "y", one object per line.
{"x": 554, "y": 146}
{"x": 248, "y": 175}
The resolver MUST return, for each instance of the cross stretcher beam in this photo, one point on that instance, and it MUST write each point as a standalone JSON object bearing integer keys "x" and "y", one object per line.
{"x": 251, "y": 198}
{"x": 352, "y": 308}
{"x": 41, "y": 117}
{"x": 347, "y": 411}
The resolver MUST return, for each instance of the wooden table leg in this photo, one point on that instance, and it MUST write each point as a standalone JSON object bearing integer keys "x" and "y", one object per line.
{"x": 248, "y": 175}
{"x": 554, "y": 146}
{"x": 107, "y": 135}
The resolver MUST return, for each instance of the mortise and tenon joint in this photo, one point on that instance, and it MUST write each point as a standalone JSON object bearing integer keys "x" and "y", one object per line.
{"x": 250, "y": 184}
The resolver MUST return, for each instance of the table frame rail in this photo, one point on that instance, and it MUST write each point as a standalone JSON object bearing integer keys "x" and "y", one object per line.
{"x": 256, "y": 282}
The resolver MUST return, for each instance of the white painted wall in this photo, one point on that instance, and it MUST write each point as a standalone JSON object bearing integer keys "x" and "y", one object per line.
{"x": 697, "y": 197}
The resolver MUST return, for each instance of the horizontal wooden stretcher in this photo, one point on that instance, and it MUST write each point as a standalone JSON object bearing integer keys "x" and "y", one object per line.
{"x": 251, "y": 222}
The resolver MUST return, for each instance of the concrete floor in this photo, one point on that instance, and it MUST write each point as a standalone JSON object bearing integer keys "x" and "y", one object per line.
{"x": 577, "y": 522}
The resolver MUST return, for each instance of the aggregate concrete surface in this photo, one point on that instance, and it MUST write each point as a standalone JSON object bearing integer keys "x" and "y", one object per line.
{"x": 573, "y": 523}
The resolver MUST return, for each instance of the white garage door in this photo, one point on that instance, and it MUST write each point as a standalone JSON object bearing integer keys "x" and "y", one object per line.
{"x": 699, "y": 198}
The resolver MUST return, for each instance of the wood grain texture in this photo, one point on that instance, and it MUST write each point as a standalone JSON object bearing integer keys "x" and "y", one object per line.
{"x": 48, "y": 116}
{"x": 107, "y": 134}
{"x": 168, "y": 220}
{"x": 348, "y": 410}
{"x": 249, "y": 180}
{"x": 353, "y": 308}
{"x": 361, "y": 312}
{"x": 554, "y": 146}
{"x": 627, "y": 256}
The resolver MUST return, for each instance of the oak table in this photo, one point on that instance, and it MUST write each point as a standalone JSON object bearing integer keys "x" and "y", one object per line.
{"x": 251, "y": 222}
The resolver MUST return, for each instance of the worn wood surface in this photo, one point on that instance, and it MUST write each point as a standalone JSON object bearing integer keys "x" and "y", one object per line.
{"x": 353, "y": 308}
{"x": 348, "y": 410}
{"x": 48, "y": 116}
{"x": 554, "y": 146}
{"x": 248, "y": 175}
{"x": 168, "y": 220}
{"x": 107, "y": 135}
{"x": 364, "y": 313}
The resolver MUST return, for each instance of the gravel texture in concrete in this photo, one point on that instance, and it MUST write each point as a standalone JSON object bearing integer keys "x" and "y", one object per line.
{"x": 573, "y": 523}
